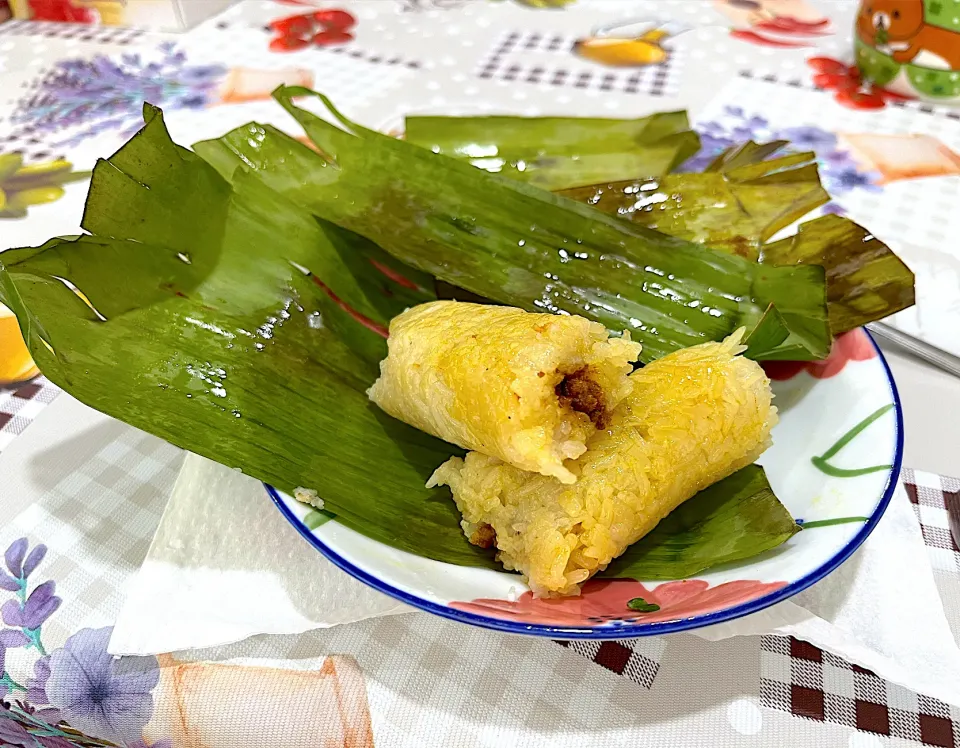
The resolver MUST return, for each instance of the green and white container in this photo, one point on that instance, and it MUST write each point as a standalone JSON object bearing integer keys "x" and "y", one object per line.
{"x": 911, "y": 50}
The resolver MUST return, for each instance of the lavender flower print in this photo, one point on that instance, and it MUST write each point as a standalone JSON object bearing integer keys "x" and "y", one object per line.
{"x": 39, "y": 606}
{"x": 809, "y": 138}
{"x": 97, "y": 694}
{"x": 54, "y": 741}
{"x": 848, "y": 178}
{"x": 107, "y": 93}
{"x": 27, "y": 612}
{"x": 108, "y": 700}
{"x": 9, "y": 639}
{"x": 14, "y": 734}
{"x": 37, "y": 694}
{"x": 839, "y": 172}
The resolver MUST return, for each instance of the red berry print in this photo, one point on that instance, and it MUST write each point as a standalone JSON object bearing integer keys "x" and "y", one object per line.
{"x": 848, "y": 86}
{"x": 320, "y": 28}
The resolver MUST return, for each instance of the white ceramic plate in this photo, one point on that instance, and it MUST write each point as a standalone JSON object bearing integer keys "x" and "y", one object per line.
{"x": 834, "y": 464}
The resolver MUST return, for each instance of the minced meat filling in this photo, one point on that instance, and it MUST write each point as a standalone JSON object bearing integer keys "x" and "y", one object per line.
{"x": 583, "y": 394}
{"x": 484, "y": 536}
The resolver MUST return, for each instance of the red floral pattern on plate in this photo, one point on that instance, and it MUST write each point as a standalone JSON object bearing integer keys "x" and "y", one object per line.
{"x": 850, "y": 346}
{"x": 603, "y": 601}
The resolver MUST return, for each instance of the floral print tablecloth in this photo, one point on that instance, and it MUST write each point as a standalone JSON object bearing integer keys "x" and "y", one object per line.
{"x": 87, "y": 502}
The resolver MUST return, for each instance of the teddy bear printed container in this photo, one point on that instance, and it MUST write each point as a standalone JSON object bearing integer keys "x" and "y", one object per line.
{"x": 911, "y": 47}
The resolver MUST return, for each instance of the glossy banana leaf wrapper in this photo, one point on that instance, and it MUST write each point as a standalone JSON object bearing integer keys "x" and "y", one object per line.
{"x": 736, "y": 204}
{"x": 523, "y": 246}
{"x": 230, "y": 321}
{"x": 559, "y": 152}
{"x": 742, "y": 200}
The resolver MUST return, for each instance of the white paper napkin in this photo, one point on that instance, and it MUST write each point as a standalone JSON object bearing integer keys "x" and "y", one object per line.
{"x": 228, "y": 566}
{"x": 880, "y": 610}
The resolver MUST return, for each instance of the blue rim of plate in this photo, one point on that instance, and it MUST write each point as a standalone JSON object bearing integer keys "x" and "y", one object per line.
{"x": 630, "y": 631}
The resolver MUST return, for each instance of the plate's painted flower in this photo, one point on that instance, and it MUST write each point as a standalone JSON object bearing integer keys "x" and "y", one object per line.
{"x": 850, "y": 346}
{"x": 603, "y": 601}
{"x": 97, "y": 694}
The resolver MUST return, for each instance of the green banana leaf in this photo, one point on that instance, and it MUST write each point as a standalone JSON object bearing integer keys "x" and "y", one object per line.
{"x": 559, "y": 152}
{"x": 197, "y": 322}
{"x": 743, "y": 501}
{"x": 229, "y": 321}
{"x": 519, "y": 245}
{"x": 866, "y": 281}
{"x": 736, "y": 204}
{"x": 742, "y": 200}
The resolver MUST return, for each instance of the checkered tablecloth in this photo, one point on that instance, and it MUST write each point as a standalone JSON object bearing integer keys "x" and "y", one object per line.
{"x": 21, "y": 404}
{"x": 94, "y": 490}
{"x": 105, "y": 498}
{"x": 803, "y": 680}
{"x": 799, "y": 678}
{"x": 430, "y": 681}
{"x": 538, "y": 58}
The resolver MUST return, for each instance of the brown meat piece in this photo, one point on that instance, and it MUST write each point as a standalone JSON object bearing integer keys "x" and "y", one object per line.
{"x": 584, "y": 395}
{"x": 484, "y": 536}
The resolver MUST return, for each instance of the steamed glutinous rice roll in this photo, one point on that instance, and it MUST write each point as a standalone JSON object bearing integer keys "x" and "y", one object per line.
{"x": 692, "y": 418}
{"x": 528, "y": 389}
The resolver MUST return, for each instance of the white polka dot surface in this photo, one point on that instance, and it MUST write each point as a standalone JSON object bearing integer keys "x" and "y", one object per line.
{"x": 745, "y": 717}
{"x": 864, "y": 740}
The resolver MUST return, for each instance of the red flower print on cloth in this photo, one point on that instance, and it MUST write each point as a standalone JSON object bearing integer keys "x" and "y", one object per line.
{"x": 60, "y": 10}
{"x": 848, "y": 86}
{"x": 850, "y": 346}
{"x": 320, "y": 28}
{"x": 606, "y": 600}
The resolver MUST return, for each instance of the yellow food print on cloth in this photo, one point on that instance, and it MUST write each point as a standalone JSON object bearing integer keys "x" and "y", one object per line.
{"x": 16, "y": 365}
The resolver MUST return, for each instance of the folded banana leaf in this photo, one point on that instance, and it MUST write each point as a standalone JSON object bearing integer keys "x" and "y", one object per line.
{"x": 520, "y": 245}
{"x": 866, "y": 281}
{"x": 744, "y": 495}
{"x": 736, "y": 204}
{"x": 742, "y": 199}
{"x": 559, "y": 152}
{"x": 231, "y": 322}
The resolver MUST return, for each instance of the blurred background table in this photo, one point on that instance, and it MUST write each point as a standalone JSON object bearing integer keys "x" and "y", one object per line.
{"x": 93, "y": 490}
